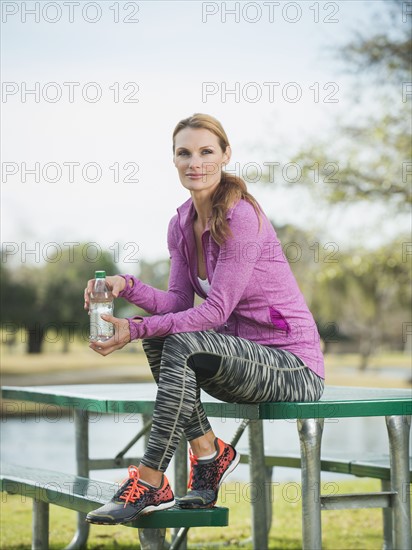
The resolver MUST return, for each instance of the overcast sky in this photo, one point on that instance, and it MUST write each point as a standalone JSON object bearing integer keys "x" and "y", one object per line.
{"x": 112, "y": 79}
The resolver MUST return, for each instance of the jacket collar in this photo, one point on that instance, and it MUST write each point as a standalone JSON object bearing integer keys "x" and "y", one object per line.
{"x": 187, "y": 213}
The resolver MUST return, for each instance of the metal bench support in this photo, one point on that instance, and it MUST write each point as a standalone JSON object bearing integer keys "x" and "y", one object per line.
{"x": 40, "y": 525}
{"x": 81, "y": 425}
{"x": 387, "y": 519}
{"x": 152, "y": 539}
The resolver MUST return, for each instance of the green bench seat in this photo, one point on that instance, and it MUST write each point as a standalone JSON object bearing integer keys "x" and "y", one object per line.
{"x": 370, "y": 465}
{"x": 83, "y": 494}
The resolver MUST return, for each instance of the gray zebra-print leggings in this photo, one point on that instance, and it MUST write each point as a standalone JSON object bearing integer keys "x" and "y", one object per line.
{"x": 242, "y": 372}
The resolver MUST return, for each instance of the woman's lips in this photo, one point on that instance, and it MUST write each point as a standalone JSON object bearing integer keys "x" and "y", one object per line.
{"x": 195, "y": 176}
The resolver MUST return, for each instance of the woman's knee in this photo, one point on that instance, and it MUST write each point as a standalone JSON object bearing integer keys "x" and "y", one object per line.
{"x": 153, "y": 344}
{"x": 184, "y": 342}
{"x": 179, "y": 348}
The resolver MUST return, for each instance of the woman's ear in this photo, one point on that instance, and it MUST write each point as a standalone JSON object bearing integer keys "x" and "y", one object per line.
{"x": 227, "y": 155}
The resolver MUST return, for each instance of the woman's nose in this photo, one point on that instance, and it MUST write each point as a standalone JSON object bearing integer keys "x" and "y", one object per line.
{"x": 195, "y": 161}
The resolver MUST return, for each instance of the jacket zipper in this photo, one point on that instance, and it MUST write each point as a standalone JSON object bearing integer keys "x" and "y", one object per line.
{"x": 195, "y": 285}
{"x": 205, "y": 256}
{"x": 206, "y": 265}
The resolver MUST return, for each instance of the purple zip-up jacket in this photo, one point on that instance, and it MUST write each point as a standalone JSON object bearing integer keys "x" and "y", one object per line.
{"x": 253, "y": 292}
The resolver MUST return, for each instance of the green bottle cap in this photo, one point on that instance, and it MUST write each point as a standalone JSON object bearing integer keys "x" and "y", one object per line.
{"x": 100, "y": 274}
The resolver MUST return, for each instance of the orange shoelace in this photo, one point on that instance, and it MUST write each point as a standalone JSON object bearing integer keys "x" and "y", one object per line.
{"x": 134, "y": 491}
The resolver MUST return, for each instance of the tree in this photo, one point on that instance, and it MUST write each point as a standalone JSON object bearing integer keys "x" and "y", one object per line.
{"x": 384, "y": 56}
{"x": 373, "y": 166}
{"x": 368, "y": 292}
{"x": 370, "y": 160}
{"x": 50, "y": 297}
{"x": 17, "y": 298}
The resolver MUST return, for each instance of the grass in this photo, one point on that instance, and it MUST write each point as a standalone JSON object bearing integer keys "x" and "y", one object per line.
{"x": 341, "y": 530}
{"x": 53, "y": 359}
{"x": 378, "y": 360}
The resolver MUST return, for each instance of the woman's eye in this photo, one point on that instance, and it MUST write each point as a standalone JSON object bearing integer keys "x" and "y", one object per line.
{"x": 186, "y": 153}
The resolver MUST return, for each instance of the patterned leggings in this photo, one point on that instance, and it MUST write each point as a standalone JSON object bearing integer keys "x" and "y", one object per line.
{"x": 229, "y": 368}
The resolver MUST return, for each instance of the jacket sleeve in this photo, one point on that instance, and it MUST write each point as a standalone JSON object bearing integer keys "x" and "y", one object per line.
{"x": 180, "y": 293}
{"x": 232, "y": 274}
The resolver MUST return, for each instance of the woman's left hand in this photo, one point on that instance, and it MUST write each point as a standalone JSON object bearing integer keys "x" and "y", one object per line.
{"x": 118, "y": 341}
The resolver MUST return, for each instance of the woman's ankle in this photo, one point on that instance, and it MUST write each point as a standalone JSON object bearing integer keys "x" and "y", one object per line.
{"x": 150, "y": 476}
{"x": 204, "y": 445}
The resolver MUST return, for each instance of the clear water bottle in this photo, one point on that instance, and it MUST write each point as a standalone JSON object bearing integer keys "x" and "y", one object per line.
{"x": 101, "y": 303}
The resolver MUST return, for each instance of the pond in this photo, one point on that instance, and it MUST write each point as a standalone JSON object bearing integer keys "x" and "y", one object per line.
{"x": 48, "y": 442}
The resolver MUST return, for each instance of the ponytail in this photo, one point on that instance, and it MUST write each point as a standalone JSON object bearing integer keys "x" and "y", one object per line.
{"x": 229, "y": 191}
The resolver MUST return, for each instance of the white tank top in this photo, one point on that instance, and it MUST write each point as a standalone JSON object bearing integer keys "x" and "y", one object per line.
{"x": 204, "y": 283}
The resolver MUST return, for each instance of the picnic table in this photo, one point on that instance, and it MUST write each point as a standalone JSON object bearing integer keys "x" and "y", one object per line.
{"x": 393, "y": 405}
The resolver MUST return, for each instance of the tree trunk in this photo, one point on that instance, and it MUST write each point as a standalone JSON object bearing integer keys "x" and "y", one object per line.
{"x": 365, "y": 349}
{"x": 66, "y": 341}
{"x": 35, "y": 342}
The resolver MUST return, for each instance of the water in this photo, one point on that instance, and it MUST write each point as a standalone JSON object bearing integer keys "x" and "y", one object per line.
{"x": 46, "y": 440}
{"x": 382, "y": 373}
{"x": 100, "y": 330}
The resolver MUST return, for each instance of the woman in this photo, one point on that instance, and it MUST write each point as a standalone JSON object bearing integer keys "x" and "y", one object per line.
{"x": 252, "y": 340}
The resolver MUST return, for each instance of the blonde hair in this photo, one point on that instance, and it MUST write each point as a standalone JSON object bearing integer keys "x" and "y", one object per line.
{"x": 231, "y": 188}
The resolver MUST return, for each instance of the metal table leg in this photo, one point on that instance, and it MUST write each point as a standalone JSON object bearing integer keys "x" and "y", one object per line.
{"x": 258, "y": 479}
{"x": 310, "y": 435}
{"x": 398, "y": 432}
{"x": 81, "y": 423}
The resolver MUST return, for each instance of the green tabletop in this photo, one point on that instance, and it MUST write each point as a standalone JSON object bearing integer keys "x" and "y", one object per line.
{"x": 336, "y": 402}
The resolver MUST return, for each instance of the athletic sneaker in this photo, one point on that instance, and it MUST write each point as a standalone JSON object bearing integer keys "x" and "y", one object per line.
{"x": 206, "y": 476}
{"x": 133, "y": 499}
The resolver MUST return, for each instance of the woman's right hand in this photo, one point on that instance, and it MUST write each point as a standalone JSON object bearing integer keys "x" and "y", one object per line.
{"x": 116, "y": 283}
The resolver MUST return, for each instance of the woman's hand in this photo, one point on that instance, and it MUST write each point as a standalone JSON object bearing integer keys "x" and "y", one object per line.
{"x": 115, "y": 283}
{"x": 118, "y": 341}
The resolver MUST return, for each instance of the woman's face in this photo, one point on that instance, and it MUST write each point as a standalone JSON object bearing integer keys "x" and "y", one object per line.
{"x": 199, "y": 159}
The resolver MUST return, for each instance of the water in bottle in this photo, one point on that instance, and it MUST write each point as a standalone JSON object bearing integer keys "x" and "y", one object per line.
{"x": 101, "y": 302}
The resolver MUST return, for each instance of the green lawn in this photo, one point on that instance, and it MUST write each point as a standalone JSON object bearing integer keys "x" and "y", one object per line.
{"x": 342, "y": 530}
